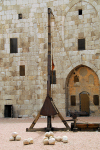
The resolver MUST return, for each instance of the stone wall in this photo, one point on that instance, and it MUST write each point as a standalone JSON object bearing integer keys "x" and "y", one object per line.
{"x": 87, "y": 82}
{"x": 27, "y": 93}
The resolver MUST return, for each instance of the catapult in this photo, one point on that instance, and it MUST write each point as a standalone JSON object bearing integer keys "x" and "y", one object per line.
{"x": 49, "y": 109}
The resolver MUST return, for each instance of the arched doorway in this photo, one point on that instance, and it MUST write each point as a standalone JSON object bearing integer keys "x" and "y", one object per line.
{"x": 84, "y": 102}
{"x": 82, "y": 90}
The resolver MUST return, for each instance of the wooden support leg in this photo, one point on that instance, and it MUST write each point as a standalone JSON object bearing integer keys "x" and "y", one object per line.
{"x": 64, "y": 122}
{"x": 99, "y": 128}
{"x": 35, "y": 120}
{"x": 49, "y": 126}
{"x": 75, "y": 129}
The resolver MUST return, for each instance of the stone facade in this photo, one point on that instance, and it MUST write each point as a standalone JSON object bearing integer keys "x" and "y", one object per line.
{"x": 27, "y": 93}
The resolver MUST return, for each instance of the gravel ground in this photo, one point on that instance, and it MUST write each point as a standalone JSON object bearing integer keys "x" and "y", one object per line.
{"x": 76, "y": 140}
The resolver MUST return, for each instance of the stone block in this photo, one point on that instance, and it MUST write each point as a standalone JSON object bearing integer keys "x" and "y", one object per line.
{"x": 24, "y": 106}
{"x": 26, "y": 102}
{"x": 25, "y": 116}
{"x": 28, "y": 112}
{"x": 20, "y": 102}
{"x": 30, "y": 107}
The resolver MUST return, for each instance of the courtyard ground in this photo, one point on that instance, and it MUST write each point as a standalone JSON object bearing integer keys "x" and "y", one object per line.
{"x": 76, "y": 140}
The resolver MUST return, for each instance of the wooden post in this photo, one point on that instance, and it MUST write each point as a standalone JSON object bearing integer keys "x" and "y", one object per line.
{"x": 49, "y": 65}
{"x": 49, "y": 53}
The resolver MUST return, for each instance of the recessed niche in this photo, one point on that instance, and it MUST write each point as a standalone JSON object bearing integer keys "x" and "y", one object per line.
{"x": 91, "y": 79}
{"x": 96, "y": 99}
{"x": 22, "y": 70}
{"x": 81, "y": 44}
{"x": 19, "y": 16}
{"x": 80, "y": 11}
{"x": 13, "y": 45}
{"x": 73, "y": 100}
{"x": 83, "y": 71}
{"x": 76, "y": 79}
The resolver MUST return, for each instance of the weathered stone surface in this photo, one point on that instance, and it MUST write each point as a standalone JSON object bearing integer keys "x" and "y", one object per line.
{"x": 51, "y": 141}
{"x": 65, "y": 139}
{"x": 14, "y": 134}
{"x": 58, "y": 139}
{"x": 26, "y": 142}
{"x": 30, "y": 140}
{"x": 11, "y": 138}
{"x": 18, "y": 138}
{"x": 47, "y": 134}
{"x": 67, "y": 26}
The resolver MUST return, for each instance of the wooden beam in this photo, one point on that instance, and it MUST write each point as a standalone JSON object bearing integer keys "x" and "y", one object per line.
{"x": 45, "y": 129}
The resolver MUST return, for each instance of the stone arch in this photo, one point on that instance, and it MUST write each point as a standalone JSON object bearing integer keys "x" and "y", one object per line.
{"x": 84, "y": 88}
{"x": 84, "y": 92}
{"x": 73, "y": 2}
{"x": 85, "y": 63}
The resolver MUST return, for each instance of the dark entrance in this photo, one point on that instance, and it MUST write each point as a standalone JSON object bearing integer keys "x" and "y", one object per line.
{"x": 8, "y": 111}
{"x": 84, "y": 102}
